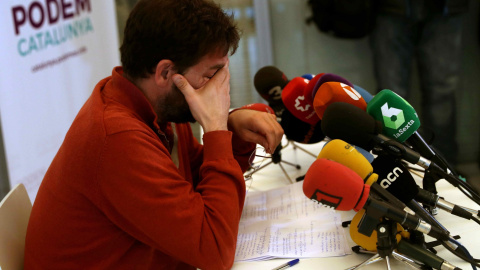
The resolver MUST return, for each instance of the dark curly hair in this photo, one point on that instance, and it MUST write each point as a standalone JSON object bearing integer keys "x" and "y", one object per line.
{"x": 182, "y": 31}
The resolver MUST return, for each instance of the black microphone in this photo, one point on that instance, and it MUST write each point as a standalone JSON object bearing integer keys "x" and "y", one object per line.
{"x": 269, "y": 82}
{"x": 424, "y": 256}
{"x": 396, "y": 179}
{"x": 299, "y": 131}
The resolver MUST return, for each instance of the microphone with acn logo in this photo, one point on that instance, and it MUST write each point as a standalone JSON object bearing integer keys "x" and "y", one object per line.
{"x": 396, "y": 179}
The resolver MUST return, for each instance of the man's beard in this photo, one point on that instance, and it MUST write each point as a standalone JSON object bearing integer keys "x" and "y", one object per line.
{"x": 174, "y": 108}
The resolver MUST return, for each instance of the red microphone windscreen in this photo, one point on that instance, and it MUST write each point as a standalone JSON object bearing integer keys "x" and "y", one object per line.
{"x": 294, "y": 101}
{"x": 331, "y": 92}
{"x": 307, "y": 92}
{"x": 333, "y": 184}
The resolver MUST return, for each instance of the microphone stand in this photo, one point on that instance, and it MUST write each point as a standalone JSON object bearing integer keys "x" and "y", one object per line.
{"x": 276, "y": 159}
{"x": 429, "y": 181}
{"x": 386, "y": 245}
{"x": 295, "y": 146}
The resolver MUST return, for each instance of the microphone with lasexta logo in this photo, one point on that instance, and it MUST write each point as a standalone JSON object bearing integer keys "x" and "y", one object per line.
{"x": 401, "y": 122}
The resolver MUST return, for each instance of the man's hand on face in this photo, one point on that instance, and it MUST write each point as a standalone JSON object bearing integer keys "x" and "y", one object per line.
{"x": 257, "y": 127}
{"x": 209, "y": 104}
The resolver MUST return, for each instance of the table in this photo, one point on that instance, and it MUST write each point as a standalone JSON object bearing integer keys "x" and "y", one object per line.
{"x": 272, "y": 177}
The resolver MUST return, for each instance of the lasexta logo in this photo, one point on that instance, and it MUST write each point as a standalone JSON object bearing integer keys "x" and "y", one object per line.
{"x": 392, "y": 117}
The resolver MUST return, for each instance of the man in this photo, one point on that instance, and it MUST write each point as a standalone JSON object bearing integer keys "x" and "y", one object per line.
{"x": 429, "y": 31}
{"x": 130, "y": 187}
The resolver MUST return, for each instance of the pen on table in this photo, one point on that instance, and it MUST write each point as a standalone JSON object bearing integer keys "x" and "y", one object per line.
{"x": 286, "y": 265}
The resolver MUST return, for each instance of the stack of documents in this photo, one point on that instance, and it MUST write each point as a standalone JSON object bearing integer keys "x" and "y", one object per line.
{"x": 284, "y": 223}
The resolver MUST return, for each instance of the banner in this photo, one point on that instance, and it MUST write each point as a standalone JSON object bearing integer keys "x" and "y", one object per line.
{"x": 53, "y": 52}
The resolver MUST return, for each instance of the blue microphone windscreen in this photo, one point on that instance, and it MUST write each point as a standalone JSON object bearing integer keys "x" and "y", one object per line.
{"x": 308, "y": 76}
{"x": 369, "y": 156}
{"x": 364, "y": 93}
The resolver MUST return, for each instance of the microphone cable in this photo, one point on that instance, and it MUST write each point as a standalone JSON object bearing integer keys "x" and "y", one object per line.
{"x": 461, "y": 252}
{"x": 464, "y": 187}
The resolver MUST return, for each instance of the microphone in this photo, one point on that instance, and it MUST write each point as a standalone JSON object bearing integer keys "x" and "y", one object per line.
{"x": 396, "y": 179}
{"x": 331, "y": 92}
{"x": 300, "y": 131}
{"x": 294, "y": 100}
{"x": 400, "y": 121}
{"x": 310, "y": 87}
{"x": 348, "y": 155}
{"x": 424, "y": 256}
{"x": 364, "y": 93}
{"x": 403, "y": 245}
{"x": 308, "y": 76}
{"x": 328, "y": 77}
{"x": 352, "y": 124}
{"x": 367, "y": 242}
{"x": 269, "y": 82}
{"x": 333, "y": 184}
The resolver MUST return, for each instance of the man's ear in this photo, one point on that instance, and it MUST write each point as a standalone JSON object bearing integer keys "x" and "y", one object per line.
{"x": 163, "y": 72}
